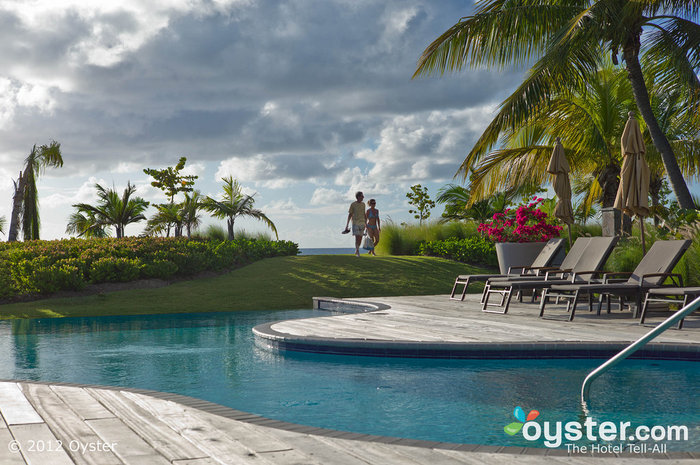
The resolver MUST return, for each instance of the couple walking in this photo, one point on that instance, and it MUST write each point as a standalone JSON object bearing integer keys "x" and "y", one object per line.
{"x": 364, "y": 222}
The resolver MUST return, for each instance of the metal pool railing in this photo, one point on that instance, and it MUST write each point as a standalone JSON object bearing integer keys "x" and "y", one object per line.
{"x": 632, "y": 348}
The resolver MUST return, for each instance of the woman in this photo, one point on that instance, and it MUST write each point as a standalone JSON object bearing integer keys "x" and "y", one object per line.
{"x": 373, "y": 224}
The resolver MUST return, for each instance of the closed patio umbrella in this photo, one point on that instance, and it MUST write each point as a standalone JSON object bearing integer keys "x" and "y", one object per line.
{"x": 559, "y": 169}
{"x": 632, "y": 195}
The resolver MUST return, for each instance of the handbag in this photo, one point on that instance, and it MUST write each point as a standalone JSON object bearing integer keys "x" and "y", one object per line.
{"x": 368, "y": 243}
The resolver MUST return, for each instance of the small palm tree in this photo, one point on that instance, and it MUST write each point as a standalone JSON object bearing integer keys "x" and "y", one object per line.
{"x": 184, "y": 216}
{"x": 235, "y": 204}
{"x": 168, "y": 215}
{"x": 112, "y": 210}
{"x": 25, "y": 202}
{"x": 190, "y": 212}
{"x": 85, "y": 224}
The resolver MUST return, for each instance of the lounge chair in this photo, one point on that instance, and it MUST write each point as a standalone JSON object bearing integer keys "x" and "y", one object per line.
{"x": 680, "y": 296}
{"x": 544, "y": 259}
{"x": 596, "y": 252}
{"x": 651, "y": 272}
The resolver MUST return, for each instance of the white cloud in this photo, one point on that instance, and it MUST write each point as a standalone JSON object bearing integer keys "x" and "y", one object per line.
{"x": 325, "y": 196}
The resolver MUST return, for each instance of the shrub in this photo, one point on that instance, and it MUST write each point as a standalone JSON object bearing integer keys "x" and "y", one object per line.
{"x": 114, "y": 270}
{"x": 406, "y": 239}
{"x": 473, "y": 250}
{"x": 160, "y": 269}
{"x": 526, "y": 224}
{"x": 35, "y": 267}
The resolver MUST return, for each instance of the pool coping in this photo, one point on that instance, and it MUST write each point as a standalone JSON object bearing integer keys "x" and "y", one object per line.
{"x": 276, "y": 340}
{"x": 239, "y": 415}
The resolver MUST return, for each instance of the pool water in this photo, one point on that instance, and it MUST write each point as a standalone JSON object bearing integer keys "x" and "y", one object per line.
{"x": 214, "y": 357}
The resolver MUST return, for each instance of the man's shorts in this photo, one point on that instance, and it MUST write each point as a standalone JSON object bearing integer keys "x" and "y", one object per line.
{"x": 358, "y": 229}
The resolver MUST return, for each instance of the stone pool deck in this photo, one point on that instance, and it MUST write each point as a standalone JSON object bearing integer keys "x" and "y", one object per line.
{"x": 70, "y": 424}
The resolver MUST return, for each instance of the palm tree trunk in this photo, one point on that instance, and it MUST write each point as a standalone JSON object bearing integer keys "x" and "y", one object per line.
{"x": 230, "y": 229}
{"x": 641, "y": 97}
{"x": 17, "y": 201}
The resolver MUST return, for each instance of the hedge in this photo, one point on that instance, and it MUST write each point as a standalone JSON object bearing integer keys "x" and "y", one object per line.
{"x": 41, "y": 267}
{"x": 473, "y": 250}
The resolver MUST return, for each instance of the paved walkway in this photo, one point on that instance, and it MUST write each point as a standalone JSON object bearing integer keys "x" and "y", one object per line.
{"x": 66, "y": 424}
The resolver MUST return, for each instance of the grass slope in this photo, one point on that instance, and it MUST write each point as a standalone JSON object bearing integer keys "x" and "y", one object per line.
{"x": 270, "y": 284}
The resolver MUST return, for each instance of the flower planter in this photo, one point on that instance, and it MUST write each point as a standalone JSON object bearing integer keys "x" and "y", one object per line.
{"x": 517, "y": 254}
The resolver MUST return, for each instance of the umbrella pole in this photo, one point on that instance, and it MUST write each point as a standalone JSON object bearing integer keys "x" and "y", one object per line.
{"x": 641, "y": 227}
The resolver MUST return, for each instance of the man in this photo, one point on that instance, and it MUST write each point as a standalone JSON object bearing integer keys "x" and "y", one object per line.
{"x": 356, "y": 213}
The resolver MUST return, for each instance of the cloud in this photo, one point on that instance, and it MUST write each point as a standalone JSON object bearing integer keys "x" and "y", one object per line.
{"x": 276, "y": 171}
{"x": 428, "y": 145}
{"x": 325, "y": 196}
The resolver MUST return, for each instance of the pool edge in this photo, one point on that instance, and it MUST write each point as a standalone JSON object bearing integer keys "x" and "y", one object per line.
{"x": 246, "y": 417}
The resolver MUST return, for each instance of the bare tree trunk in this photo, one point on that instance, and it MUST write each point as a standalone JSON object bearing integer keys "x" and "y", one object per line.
{"x": 17, "y": 201}
{"x": 641, "y": 97}
{"x": 230, "y": 229}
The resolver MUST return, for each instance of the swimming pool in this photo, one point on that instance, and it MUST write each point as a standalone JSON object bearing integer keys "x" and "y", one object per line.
{"x": 213, "y": 356}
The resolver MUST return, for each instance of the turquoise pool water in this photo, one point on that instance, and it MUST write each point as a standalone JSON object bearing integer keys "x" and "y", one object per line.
{"x": 214, "y": 357}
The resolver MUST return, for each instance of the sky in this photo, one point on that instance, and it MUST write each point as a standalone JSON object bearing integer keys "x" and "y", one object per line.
{"x": 304, "y": 102}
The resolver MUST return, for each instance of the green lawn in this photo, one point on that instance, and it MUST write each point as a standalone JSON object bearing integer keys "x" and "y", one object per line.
{"x": 273, "y": 283}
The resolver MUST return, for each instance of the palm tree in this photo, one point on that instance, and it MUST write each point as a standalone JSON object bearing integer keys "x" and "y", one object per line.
{"x": 111, "y": 210}
{"x": 25, "y": 202}
{"x": 568, "y": 40}
{"x": 590, "y": 120}
{"x": 190, "y": 212}
{"x": 459, "y": 205}
{"x": 184, "y": 216}
{"x": 235, "y": 204}
{"x": 85, "y": 224}
{"x": 2, "y": 224}
{"x": 168, "y": 215}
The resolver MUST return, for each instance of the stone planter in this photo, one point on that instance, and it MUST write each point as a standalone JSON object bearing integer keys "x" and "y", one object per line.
{"x": 517, "y": 254}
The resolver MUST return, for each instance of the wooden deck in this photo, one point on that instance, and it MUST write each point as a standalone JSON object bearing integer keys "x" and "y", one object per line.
{"x": 64, "y": 425}
{"x": 436, "y": 319}
{"x": 67, "y": 424}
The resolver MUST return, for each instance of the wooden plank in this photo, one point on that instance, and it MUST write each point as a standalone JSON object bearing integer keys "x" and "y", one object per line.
{"x": 127, "y": 445}
{"x": 204, "y": 461}
{"x": 8, "y": 454}
{"x": 78, "y": 439}
{"x": 84, "y": 405}
{"x": 259, "y": 439}
{"x": 370, "y": 452}
{"x": 15, "y": 408}
{"x": 320, "y": 450}
{"x": 149, "y": 427}
{"x": 39, "y": 446}
{"x": 217, "y": 444}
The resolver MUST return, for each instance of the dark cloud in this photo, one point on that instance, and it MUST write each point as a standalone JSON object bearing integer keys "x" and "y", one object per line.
{"x": 308, "y": 78}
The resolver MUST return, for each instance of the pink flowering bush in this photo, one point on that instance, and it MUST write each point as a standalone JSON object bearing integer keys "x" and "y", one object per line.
{"x": 526, "y": 224}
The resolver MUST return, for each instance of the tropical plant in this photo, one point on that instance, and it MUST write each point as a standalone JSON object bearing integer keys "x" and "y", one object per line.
{"x": 526, "y": 224}
{"x": 86, "y": 224}
{"x": 419, "y": 198}
{"x": 568, "y": 41}
{"x": 190, "y": 212}
{"x": 170, "y": 181}
{"x": 234, "y": 204}
{"x": 167, "y": 215}
{"x": 3, "y": 221}
{"x": 111, "y": 210}
{"x": 25, "y": 202}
